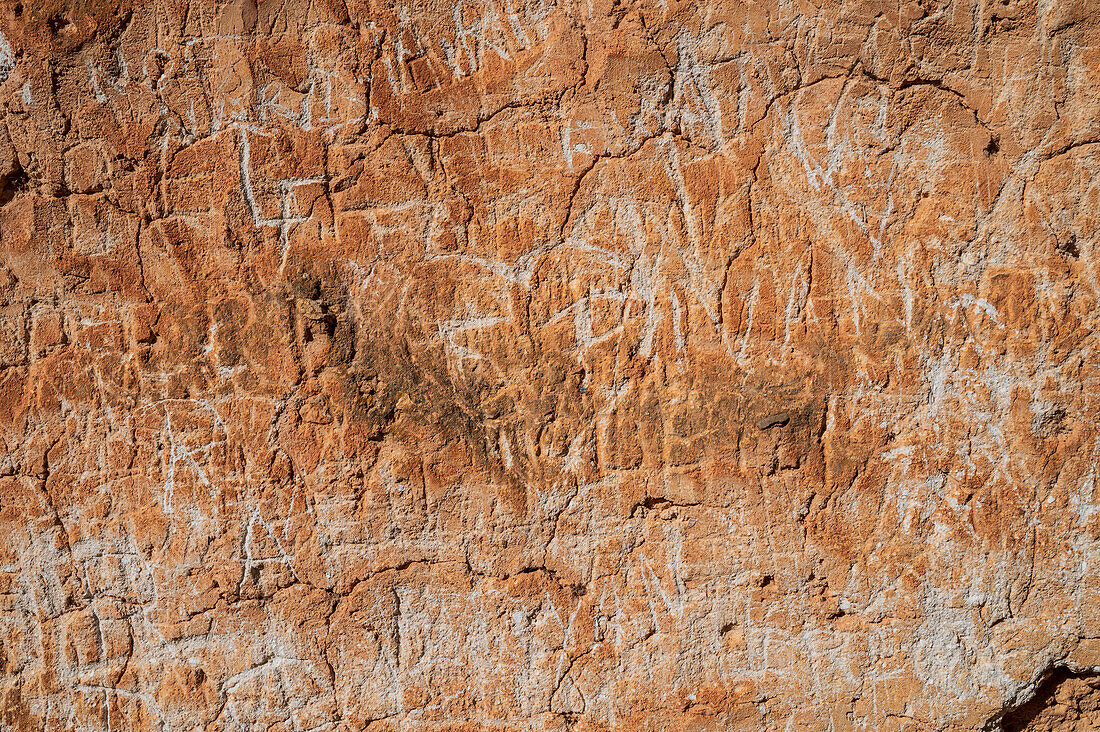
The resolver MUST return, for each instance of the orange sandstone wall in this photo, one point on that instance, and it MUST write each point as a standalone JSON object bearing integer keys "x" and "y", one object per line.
{"x": 523, "y": 365}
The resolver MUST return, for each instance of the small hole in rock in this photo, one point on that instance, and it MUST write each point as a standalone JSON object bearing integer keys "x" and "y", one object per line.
{"x": 1069, "y": 247}
{"x": 12, "y": 184}
{"x": 58, "y": 24}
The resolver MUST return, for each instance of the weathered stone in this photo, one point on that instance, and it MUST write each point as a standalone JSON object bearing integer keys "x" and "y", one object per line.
{"x": 421, "y": 365}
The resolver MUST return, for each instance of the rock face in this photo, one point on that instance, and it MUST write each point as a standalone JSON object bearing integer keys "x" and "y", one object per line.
{"x": 531, "y": 365}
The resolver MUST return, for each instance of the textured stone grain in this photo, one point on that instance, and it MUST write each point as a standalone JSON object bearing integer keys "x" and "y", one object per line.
{"x": 531, "y": 365}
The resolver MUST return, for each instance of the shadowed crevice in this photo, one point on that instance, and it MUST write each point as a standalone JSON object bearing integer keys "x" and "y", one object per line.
{"x": 1064, "y": 701}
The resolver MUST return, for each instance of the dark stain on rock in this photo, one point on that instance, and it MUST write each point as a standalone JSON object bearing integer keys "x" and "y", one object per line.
{"x": 779, "y": 419}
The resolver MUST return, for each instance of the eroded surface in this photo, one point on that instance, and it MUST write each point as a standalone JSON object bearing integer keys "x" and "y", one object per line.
{"x": 531, "y": 365}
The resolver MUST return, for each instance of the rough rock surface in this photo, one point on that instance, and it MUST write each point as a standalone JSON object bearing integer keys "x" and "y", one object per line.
{"x": 530, "y": 365}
